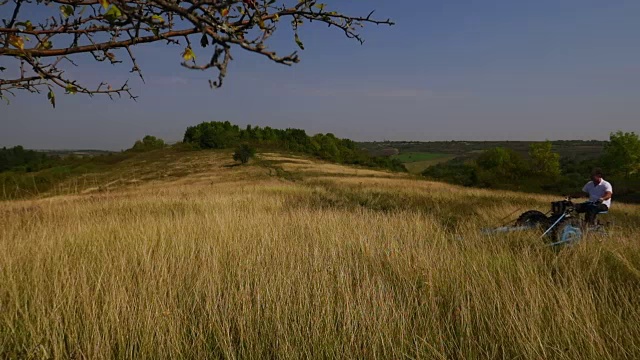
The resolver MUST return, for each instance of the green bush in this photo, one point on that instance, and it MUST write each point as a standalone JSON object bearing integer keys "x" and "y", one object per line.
{"x": 148, "y": 143}
{"x": 244, "y": 153}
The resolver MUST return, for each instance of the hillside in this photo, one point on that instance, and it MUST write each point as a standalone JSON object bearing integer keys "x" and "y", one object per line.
{"x": 437, "y": 152}
{"x": 573, "y": 149}
{"x": 187, "y": 255}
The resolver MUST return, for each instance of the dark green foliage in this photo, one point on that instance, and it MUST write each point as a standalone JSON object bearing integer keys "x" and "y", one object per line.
{"x": 544, "y": 171}
{"x": 19, "y": 159}
{"x": 500, "y": 165}
{"x": 243, "y": 153}
{"x": 456, "y": 171}
{"x": 148, "y": 143}
{"x": 622, "y": 154}
{"x": 18, "y": 183}
{"x": 544, "y": 162}
{"x": 224, "y": 135}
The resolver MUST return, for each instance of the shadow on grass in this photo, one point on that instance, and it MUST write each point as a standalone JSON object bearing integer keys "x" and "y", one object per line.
{"x": 231, "y": 166}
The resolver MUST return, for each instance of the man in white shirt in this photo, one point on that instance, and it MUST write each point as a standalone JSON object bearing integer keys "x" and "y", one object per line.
{"x": 599, "y": 192}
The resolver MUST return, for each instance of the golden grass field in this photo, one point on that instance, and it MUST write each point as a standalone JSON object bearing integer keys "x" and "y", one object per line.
{"x": 289, "y": 258}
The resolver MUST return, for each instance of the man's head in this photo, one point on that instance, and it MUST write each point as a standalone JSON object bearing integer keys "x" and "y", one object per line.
{"x": 596, "y": 176}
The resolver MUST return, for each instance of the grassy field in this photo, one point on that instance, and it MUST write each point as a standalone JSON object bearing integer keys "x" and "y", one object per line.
{"x": 193, "y": 257}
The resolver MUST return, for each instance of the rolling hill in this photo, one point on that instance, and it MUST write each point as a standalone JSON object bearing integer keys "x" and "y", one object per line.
{"x": 188, "y": 255}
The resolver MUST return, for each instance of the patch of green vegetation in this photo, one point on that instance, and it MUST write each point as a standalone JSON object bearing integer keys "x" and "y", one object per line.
{"x": 409, "y": 157}
{"x": 225, "y": 135}
{"x": 418, "y": 167}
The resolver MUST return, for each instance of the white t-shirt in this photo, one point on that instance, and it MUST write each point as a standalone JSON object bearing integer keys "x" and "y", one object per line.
{"x": 598, "y": 191}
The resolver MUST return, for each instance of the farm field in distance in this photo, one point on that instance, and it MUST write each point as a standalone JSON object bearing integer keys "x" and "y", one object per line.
{"x": 418, "y": 156}
{"x": 185, "y": 255}
{"x": 417, "y": 162}
{"x": 576, "y": 149}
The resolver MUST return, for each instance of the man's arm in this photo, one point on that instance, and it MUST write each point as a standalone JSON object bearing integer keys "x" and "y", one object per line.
{"x": 608, "y": 193}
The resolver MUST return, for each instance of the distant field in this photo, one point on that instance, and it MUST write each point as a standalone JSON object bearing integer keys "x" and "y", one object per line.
{"x": 417, "y": 167}
{"x": 417, "y": 162}
{"x": 574, "y": 149}
{"x": 188, "y": 256}
{"x": 418, "y": 156}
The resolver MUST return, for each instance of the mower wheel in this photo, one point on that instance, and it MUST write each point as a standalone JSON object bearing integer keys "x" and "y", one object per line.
{"x": 533, "y": 218}
{"x": 567, "y": 231}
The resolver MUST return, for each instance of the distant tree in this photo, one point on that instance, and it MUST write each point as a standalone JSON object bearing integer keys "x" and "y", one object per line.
{"x": 244, "y": 153}
{"x": 40, "y": 39}
{"x": 20, "y": 159}
{"x": 544, "y": 161}
{"x": 622, "y": 154}
{"x": 148, "y": 143}
{"x": 503, "y": 161}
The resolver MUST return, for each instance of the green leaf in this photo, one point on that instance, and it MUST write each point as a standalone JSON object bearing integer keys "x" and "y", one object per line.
{"x": 299, "y": 42}
{"x": 52, "y": 98}
{"x": 112, "y": 14}
{"x": 71, "y": 89}
{"x": 320, "y": 6}
{"x": 28, "y": 26}
{"x": 45, "y": 45}
{"x": 66, "y": 10}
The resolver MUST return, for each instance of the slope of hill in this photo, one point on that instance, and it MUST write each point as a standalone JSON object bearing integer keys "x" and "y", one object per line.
{"x": 573, "y": 149}
{"x": 438, "y": 152}
{"x": 185, "y": 255}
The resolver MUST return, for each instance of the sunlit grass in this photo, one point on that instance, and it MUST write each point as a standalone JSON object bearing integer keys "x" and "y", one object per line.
{"x": 240, "y": 263}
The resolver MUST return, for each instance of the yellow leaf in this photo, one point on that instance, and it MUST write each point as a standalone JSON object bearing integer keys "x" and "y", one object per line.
{"x": 224, "y": 12}
{"x": 157, "y": 18}
{"x": 71, "y": 89}
{"x": 104, "y": 3}
{"x": 276, "y": 17}
{"x": 16, "y": 41}
{"x": 188, "y": 54}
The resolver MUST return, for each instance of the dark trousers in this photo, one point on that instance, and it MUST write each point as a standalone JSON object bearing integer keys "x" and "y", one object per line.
{"x": 590, "y": 211}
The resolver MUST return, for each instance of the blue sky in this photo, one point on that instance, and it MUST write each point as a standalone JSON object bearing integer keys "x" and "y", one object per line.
{"x": 448, "y": 70}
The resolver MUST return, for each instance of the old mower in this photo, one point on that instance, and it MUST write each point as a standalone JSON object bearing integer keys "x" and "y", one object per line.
{"x": 561, "y": 225}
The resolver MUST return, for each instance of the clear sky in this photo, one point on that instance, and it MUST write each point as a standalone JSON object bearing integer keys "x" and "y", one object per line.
{"x": 448, "y": 70}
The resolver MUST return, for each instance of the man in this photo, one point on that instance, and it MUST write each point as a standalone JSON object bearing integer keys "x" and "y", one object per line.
{"x": 599, "y": 192}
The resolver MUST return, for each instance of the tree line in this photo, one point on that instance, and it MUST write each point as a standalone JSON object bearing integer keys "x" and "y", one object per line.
{"x": 225, "y": 135}
{"x": 217, "y": 135}
{"x": 18, "y": 158}
{"x": 543, "y": 170}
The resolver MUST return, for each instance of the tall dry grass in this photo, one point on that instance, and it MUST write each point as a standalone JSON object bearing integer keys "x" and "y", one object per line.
{"x": 332, "y": 267}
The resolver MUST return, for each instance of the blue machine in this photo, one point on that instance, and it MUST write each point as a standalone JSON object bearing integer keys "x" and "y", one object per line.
{"x": 561, "y": 224}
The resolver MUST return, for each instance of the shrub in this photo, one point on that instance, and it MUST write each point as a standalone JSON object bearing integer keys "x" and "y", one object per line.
{"x": 243, "y": 153}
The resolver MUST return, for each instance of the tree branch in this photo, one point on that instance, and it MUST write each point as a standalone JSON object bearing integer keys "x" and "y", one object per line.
{"x": 39, "y": 46}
